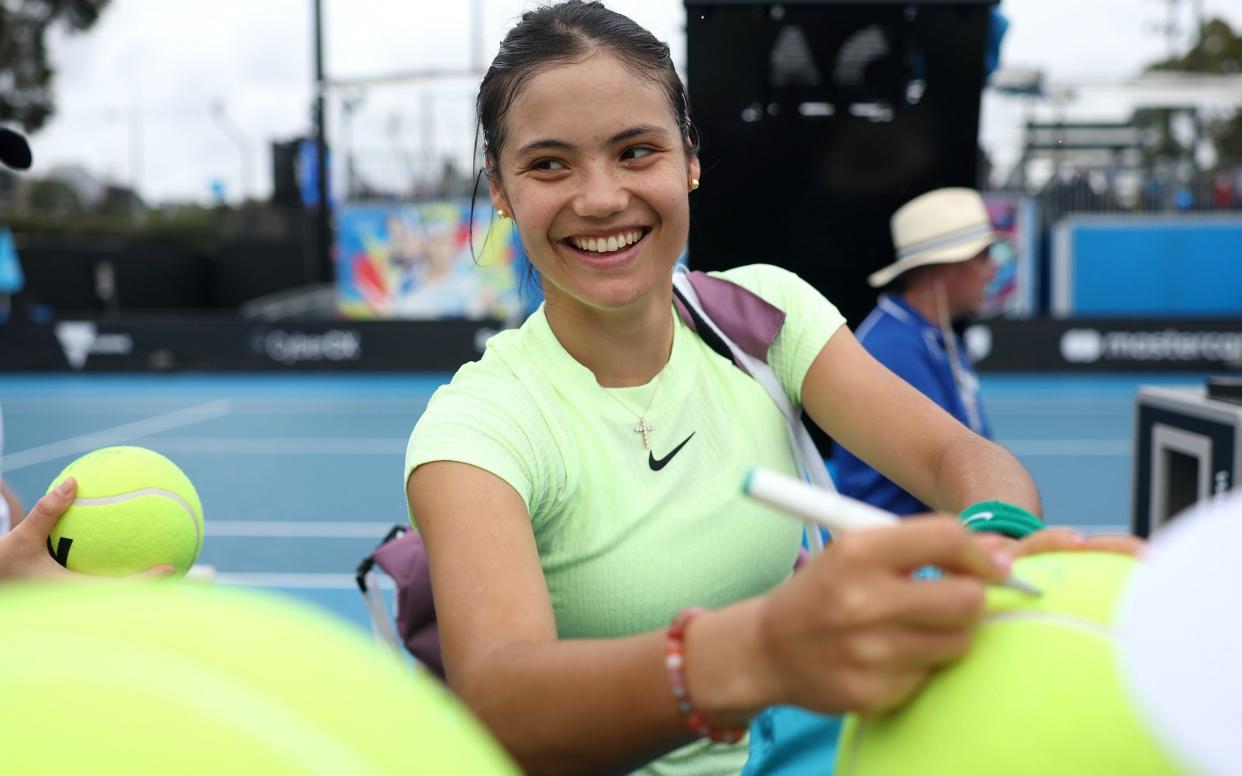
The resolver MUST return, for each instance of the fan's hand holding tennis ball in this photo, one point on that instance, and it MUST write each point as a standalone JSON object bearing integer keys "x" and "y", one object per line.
{"x": 23, "y": 551}
{"x": 1063, "y": 540}
{"x": 134, "y": 511}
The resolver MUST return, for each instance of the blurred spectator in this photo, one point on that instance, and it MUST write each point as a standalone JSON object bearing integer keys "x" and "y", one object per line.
{"x": 1223, "y": 192}
{"x": 1184, "y": 198}
{"x": 943, "y": 240}
{"x": 1151, "y": 196}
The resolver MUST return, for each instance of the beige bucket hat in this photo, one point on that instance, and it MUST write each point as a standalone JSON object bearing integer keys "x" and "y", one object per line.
{"x": 940, "y": 227}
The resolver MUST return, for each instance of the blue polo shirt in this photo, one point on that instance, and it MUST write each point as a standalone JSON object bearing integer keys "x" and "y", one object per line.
{"x": 899, "y": 337}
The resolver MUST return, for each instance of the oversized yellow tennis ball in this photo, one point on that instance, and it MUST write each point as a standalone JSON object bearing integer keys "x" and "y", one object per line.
{"x": 1039, "y": 693}
{"x": 134, "y": 509}
{"x": 147, "y": 677}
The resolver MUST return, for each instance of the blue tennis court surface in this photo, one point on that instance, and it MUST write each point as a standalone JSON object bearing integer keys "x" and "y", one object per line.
{"x": 300, "y": 475}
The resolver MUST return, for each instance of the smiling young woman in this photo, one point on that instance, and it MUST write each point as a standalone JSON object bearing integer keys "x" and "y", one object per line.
{"x": 579, "y": 487}
{"x": 595, "y": 171}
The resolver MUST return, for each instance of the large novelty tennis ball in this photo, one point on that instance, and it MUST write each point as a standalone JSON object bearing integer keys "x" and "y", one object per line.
{"x": 141, "y": 677}
{"x": 134, "y": 509}
{"x": 1039, "y": 693}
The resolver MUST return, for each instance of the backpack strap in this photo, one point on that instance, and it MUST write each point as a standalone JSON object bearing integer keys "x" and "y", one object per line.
{"x": 740, "y": 308}
{"x": 721, "y": 311}
{"x": 402, "y": 556}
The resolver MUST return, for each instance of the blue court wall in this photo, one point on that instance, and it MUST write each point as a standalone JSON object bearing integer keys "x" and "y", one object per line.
{"x": 1173, "y": 266}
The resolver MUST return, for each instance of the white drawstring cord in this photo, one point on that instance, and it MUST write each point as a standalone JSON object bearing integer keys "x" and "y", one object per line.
{"x": 965, "y": 390}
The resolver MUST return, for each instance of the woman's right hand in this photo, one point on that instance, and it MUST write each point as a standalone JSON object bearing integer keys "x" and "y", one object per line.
{"x": 854, "y": 631}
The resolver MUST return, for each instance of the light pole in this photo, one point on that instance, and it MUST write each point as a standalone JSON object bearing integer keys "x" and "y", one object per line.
{"x": 244, "y": 145}
{"x": 351, "y": 100}
{"x": 322, "y": 268}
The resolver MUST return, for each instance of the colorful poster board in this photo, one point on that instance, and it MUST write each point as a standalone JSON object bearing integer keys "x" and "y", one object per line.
{"x": 426, "y": 261}
{"x": 1013, "y": 292}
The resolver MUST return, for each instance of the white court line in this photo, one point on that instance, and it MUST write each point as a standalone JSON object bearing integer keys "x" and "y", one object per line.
{"x": 283, "y": 445}
{"x": 398, "y": 407}
{"x": 1068, "y": 447}
{"x": 1026, "y": 409}
{"x": 79, "y": 406}
{"x": 306, "y": 529}
{"x": 1049, "y": 398}
{"x": 291, "y": 406}
{"x": 116, "y": 435}
{"x": 298, "y": 581}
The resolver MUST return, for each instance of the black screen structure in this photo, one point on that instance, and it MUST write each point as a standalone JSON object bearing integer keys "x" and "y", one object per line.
{"x": 818, "y": 121}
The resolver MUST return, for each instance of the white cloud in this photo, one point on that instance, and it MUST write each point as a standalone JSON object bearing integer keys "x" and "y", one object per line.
{"x": 1092, "y": 42}
{"x": 135, "y": 93}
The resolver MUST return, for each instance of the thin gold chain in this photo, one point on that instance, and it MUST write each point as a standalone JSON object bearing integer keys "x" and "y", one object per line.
{"x": 650, "y": 399}
{"x": 643, "y": 426}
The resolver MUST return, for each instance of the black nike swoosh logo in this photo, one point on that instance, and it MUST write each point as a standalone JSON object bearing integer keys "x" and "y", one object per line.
{"x": 658, "y": 464}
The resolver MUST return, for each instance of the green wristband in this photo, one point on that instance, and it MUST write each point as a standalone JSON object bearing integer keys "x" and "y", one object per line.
{"x": 1000, "y": 517}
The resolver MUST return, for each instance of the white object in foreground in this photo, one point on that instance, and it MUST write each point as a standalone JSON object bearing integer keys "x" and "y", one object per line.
{"x": 1179, "y": 636}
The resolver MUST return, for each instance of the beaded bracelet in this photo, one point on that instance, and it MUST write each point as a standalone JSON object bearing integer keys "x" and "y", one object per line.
{"x": 674, "y": 662}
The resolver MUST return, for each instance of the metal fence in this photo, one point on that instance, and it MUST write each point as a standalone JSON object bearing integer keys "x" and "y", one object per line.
{"x": 1101, "y": 191}
{"x": 398, "y": 177}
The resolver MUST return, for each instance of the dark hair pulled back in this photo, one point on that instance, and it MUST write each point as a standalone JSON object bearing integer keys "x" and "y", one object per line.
{"x": 567, "y": 32}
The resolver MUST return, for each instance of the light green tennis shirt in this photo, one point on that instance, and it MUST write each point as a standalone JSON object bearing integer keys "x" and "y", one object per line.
{"x": 628, "y": 537}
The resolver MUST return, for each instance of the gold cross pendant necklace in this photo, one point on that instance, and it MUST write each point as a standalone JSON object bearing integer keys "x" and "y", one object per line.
{"x": 644, "y": 427}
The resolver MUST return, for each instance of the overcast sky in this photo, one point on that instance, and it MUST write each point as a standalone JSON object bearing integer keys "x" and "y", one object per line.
{"x": 172, "y": 96}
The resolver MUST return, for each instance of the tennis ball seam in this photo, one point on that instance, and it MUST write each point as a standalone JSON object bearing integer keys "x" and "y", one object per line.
{"x": 103, "y": 501}
{"x": 1052, "y": 618}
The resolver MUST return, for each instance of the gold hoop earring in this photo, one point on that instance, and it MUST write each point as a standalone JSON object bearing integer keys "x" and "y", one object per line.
{"x": 694, "y": 184}
{"x": 503, "y": 215}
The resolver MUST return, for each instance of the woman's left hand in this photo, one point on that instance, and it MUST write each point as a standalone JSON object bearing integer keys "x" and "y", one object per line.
{"x": 1064, "y": 540}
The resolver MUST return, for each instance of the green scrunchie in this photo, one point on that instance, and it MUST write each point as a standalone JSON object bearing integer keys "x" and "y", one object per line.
{"x": 1000, "y": 517}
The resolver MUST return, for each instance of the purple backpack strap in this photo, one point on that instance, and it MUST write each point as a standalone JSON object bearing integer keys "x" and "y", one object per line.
{"x": 745, "y": 317}
{"x": 405, "y": 560}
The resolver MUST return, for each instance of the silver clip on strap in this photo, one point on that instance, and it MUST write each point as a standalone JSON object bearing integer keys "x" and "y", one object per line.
{"x": 807, "y": 456}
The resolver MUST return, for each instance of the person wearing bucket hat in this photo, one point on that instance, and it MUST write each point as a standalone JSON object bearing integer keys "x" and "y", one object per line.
{"x": 943, "y": 266}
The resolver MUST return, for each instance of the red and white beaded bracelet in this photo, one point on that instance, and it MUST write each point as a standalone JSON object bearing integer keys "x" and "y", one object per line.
{"x": 674, "y": 662}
